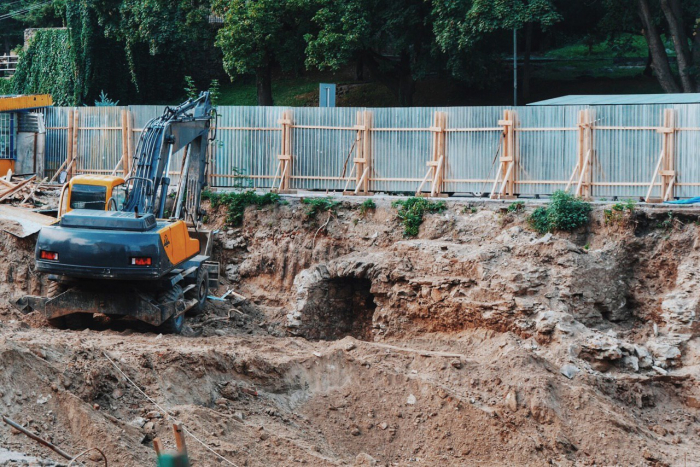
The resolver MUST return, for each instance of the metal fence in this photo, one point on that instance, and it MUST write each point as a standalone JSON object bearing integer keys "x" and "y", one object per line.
{"x": 597, "y": 151}
{"x": 8, "y": 133}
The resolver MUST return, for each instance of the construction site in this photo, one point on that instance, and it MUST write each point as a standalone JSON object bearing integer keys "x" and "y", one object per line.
{"x": 280, "y": 286}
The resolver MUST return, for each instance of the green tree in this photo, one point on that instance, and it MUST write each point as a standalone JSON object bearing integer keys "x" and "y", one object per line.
{"x": 393, "y": 38}
{"x": 465, "y": 30}
{"x": 259, "y": 35}
{"x": 157, "y": 38}
{"x": 671, "y": 29}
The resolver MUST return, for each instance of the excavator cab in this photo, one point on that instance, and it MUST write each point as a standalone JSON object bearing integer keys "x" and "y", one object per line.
{"x": 96, "y": 192}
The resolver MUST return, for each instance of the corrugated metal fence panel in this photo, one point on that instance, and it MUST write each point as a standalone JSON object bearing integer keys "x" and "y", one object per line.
{"x": 398, "y": 153}
{"x": 321, "y": 154}
{"x": 471, "y": 155}
{"x": 626, "y": 157}
{"x": 249, "y": 153}
{"x": 548, "y": 154}
{"x": 688, "y": 150}
{"x": 56, "y": 149}
{"x": 249, "y": 141}
{"x": 99, "y": 139}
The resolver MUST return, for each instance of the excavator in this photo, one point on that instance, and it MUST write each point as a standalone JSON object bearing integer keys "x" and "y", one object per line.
{"x": 114, "y": 251}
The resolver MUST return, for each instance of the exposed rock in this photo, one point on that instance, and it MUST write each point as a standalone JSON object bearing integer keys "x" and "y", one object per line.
{"x": 631, "y": 363}
{"x": 512, "y": 401}
{"x": 569, "y": 370}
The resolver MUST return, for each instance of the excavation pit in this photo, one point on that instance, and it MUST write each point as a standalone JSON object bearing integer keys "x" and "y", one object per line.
{"x": 335, "y": 308}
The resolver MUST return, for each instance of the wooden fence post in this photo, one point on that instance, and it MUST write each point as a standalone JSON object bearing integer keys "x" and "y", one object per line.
{"x": 362, "y": 162}
{"x": 666, "y": 166}
{"x": 129, "y": 142}
{"x": 69, "y": 144}
{"x": 285, "y": 159}
{"x": 367, "y": 142}
{"x": 668, "y": 174}
{"x": 125, "y": 142}
{"x": 438, "y": 160}
{"x": 585, "y": 155}
{"x": 508, "y": 168}
{"x": 73, "y": 168}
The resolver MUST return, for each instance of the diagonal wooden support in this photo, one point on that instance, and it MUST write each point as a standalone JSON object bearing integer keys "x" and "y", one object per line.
{"x": 362, "y": 163}
{"x": 666, "y": 165}
{"x": 583, "y": 171}
{"x": 436, "y": 164}
{"x": 285, "y": 158}
{"x": 507, "y": 170}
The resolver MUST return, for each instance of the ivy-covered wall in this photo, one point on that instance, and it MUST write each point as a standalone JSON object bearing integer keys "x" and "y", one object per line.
{"x": 49, "y": 67}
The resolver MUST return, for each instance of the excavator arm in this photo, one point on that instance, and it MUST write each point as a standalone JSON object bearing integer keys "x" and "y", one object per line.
{"x": 185, "y": 126}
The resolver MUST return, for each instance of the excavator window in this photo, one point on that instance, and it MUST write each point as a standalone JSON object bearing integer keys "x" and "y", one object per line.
{"x": 88, "y": 197}
{"x": 119, "y": 197}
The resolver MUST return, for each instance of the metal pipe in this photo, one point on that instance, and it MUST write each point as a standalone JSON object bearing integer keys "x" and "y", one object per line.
{"x": 37, "y": 439}
{"x": 515, "y": 67}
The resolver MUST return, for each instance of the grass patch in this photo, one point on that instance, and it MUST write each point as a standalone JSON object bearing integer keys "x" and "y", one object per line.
{"x": 236, "y": 203}
{"x": 366, "y": 206}
{"x": 411, "y": 213}
{"x": 319, "y": 205}
{"x": 565, "y": 212}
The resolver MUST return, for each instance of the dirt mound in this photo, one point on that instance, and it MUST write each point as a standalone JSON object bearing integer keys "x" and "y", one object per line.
{"x": 479, "y": 342}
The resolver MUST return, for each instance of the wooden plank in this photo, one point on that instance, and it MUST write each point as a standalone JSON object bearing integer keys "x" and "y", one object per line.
{"x": 7, "y": 193}
{"x": 367, "y": 148}
{"x": 179, "y": 438}
{"x": 158, "y": 446}
{"x": 76, "y": 125}
{"x": 125, "y": 142}
{"x": 31, "y": 193}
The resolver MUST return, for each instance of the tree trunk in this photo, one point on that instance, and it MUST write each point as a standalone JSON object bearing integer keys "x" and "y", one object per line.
{"x": 660, "y": 62}
{"x": 359, "y": 69}
{"x": 399, "y": 80}
{"x": 526, "y": 64}
{"x": 263, "y": 82}
{"x": 407, "y": 87}
{"x": 674, "y": 16}
{"x": 696, "y": 51}
{"x": 648, "y": 71}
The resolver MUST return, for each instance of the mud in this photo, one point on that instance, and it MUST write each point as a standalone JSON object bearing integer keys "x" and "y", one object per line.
{"x": 479, "y": 342}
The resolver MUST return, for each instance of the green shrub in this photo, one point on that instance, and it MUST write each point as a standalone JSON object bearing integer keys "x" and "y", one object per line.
{"x": 411, "y": 213}
{"x": 565, "y": 212}
{"x": 367, "y": 205}
{"x": 237, "y": 202}
{"x": 318, "y": 205}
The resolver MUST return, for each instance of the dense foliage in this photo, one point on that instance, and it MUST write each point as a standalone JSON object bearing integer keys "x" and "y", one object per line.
{"x": 564, "y": 212}
{"x": 412, "y": 210}
{"x": 141, "y": 50}
{"x": 48, "y": 66}
{"x": 236, "y": 203}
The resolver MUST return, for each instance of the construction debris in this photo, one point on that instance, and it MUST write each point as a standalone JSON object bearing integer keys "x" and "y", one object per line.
{"x": 26, "y": 192}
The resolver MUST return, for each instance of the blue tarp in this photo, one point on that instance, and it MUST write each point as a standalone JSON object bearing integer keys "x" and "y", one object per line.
{"x": 685, "y": 201}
